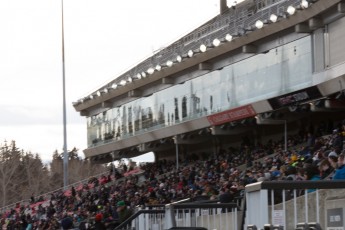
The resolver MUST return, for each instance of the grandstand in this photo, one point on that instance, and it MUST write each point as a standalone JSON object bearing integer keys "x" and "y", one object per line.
{"x": 222, "y": 75}
{"x": 237, "y": 113}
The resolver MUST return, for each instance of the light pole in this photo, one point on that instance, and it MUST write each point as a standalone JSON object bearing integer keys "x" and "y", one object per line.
{"x": 65, "y": 153}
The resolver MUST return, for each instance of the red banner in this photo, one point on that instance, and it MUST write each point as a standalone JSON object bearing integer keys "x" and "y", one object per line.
{"x": 231, "y": 115}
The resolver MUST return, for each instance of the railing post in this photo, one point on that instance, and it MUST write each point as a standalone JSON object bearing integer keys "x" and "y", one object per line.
{"x": 257, "y": 205}
{"x": 169, "y": 217}
{"x": 141, "y": 221}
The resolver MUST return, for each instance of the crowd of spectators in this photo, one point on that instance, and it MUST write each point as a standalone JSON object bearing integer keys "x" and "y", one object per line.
{"x": 112, "y": 198}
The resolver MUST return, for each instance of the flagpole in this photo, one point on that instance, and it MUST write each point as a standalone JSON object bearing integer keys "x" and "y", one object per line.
{"x": 65, "y": 153}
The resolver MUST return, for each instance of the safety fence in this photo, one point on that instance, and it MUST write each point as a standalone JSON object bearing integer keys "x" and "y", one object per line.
{"x": 218, "y": 216}
{"x": 295, "y": 205}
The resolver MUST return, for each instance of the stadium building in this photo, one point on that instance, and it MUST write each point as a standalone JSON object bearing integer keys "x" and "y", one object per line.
{"x": 257, "y": 62}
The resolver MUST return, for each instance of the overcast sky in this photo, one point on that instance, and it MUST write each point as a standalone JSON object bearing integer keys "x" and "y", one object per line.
{"x": 103, "y": 38}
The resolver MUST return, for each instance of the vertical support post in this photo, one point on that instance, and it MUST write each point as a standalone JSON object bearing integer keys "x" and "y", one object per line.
{"x": 295, "y": 207}
{"x": 177, "y": 153}
{"x": 285, "y": 136}
{"x": 256, "y": 197}
{"x": 65, "y": 153}
{"x": 317, "y": 206}
{"x": 306, "y": 205}
{"x": 169, "y": 217}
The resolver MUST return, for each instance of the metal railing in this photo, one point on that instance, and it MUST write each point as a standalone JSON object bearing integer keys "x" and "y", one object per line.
{"x": 220, "y": 216}
{"x": 294, "y": 204}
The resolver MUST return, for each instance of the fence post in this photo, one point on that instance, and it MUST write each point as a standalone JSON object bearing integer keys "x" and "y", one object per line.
{"x": 257, "y": 205}
{"x": 169, "y": 217}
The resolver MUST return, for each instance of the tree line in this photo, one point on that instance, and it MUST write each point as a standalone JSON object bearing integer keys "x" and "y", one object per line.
{"x": 23, "y": 174}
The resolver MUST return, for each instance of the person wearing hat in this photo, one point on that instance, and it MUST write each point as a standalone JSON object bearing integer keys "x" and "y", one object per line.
{"x": 99, "y": 225}
{"x": 123, "y": 212}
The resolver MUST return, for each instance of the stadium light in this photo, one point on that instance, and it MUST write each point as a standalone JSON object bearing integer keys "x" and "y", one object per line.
{"x": 229, "y": 37}
{"x": 158, "y": 67}
{"x": 114, "y": 86}
{"x": 259, "y": 24}
{"x": 203, "y": 48}
{"x": 216, "y": 42}
{"x": 99, "y": 93}
{"x": 291, "y": 10}
{"x": 190, "y": 53}
{"x": 138, "y": 76}
{"x": 304, "y": 4}
{"x": 169, "y": 63}
{"x": 130, "y": 79}
{"x": 123, "y": 82}
{"x": 179, "y": 58}
{"x": 143, "y": 74}
{"x": 150, "y": 70}
{"x": 273, "y": 18}
{"x": 106, "y": 89}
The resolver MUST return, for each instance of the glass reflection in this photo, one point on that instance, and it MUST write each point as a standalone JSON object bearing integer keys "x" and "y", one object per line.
{"x": 281, "y": 70}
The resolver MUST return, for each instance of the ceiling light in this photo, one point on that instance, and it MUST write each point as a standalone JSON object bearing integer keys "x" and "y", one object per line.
{"x": 169, "y": 63}
{"x": 190, "y": 53}
{"x": 259, "y": 24}
{"x": 291, "y": 10}
{"x": 228, "y": 37}
{"x": 178, "y": 58}
{"x": 151, "y": 70}
{"x": 203, "y": 48}
{"x": 158, "y": 67}
{"x": 273, "y": 18}
{"x": 216, "y": 42}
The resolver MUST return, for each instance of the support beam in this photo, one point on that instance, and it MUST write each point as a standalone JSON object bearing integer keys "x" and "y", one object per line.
{"x": 134, "y": 93}
{"x": 205, "y": 66}
{"x": 249, "y": 49}
{"x": 302, "y": 28}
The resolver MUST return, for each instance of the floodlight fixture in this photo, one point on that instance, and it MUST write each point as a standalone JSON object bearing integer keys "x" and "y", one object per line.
{"x": 123, "y": 82}
{"x": 105, "y": 90}
{"x": 138, "y": 76}
{"x": 203, "y": 48}
{"x": 216, "y": 42}
{"x": 291, "y": 10}
{"x": 169, "y": 63}
{"x": 179, "y": 58}
{"x": 190, "y": 53}
{"x": 259, "y": 24}
{"x": 228, "y": 37}
{"x": 273, "y": 18}
{"x": 231, "y": 4}
{"x": 158, "y": 67}
{"x": 304, "y": 4}
{"x": 114, "y": 86}
{"x": 129, "y": 79}
{"x": 150, "y": 70}
{"x": 99, "y": 93}
{"x": 143, "y": 74}
{"x": 91, "y": 96}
